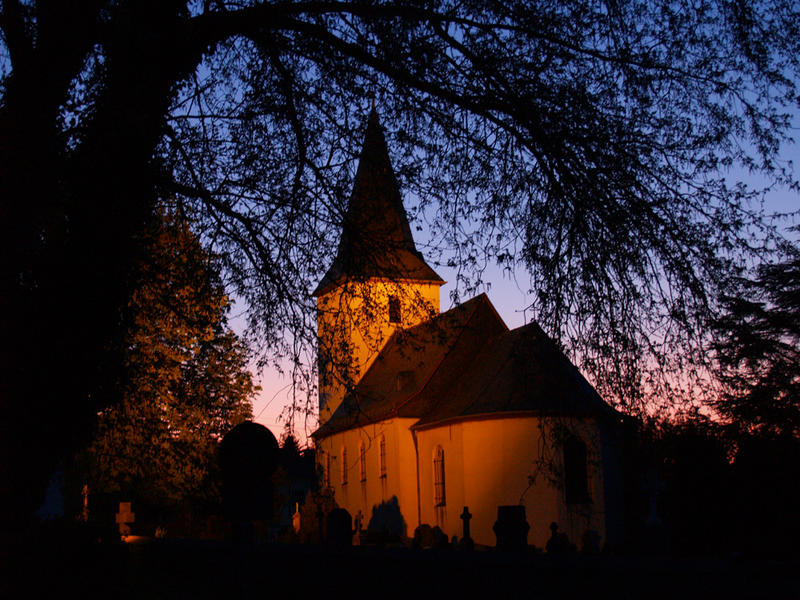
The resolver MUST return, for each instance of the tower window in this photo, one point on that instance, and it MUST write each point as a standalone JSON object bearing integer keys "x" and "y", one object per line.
{"x": 394, "y": 309}
{"x": 439, "y": 498}
{"x": 344, "y": 466}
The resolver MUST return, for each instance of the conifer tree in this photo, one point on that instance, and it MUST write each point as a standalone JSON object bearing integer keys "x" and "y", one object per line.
{"x": 758, "y": 349}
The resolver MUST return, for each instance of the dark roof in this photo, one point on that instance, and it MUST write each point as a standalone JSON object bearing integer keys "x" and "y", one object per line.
{"x": 376, "y": 238}
{"x": 519, "y": 371}
{"x": 466, "y": 363}
{"x": 425, "y": 354}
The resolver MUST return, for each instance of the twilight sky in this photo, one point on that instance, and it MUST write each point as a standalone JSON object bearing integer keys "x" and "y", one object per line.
{"x": 508, "y": 296}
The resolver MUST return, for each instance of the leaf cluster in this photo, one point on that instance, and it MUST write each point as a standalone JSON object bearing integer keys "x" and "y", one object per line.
{"x": 185, "y": 379}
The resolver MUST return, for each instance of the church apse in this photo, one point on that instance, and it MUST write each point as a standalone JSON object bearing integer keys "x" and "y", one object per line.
{"x": 502, "y": 461}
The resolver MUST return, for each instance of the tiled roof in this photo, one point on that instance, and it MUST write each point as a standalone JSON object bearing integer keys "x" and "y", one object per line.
{"x": 519, "y": 371}
{"x": 465, "y": 363}
{"x": 415, "y": 357}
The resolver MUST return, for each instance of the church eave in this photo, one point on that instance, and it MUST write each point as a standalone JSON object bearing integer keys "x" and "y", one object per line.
{"x": 325, "y": 431}
{"x": 326, "y": 286}
{"x": 422, "y": 424}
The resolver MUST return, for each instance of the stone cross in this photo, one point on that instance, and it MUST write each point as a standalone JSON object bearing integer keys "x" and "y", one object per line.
{"x": 125, "y": 516}
{"x": 465, "y": 517}
{"x": 466, "y": 542}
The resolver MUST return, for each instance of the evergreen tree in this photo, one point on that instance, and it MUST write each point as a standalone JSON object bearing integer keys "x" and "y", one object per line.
{"x": 185, "y": 381}
{"x": 758, "y": 349}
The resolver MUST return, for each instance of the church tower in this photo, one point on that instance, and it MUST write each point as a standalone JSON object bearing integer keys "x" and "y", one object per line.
{"x": 378, "y": 281}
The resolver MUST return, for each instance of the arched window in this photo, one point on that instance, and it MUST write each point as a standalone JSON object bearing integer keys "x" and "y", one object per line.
{"x": 576, "y": 473}
{"x": 344, "y": 465}
{"x": 362, "y": 461}
{"x": 439, "y": 498}
{"x": 382, "y": 447}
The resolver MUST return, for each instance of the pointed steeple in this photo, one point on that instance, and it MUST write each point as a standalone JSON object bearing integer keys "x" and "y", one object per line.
{"x": 376, "y": 238}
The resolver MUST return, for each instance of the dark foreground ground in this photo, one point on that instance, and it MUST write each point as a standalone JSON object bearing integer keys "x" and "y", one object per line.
{"x": 183, "y": 569}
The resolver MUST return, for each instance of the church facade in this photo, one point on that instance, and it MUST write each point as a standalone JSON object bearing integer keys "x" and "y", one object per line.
{"x": 432, "y": 412}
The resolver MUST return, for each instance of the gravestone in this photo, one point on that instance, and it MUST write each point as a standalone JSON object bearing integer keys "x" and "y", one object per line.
{"x": 559, "y": 542}
{"x": 511, "y": 528}
{"x": 248, "y": 455}
{"x": 340, "y": 528}
{"x": 124, "y": 517}
{"x": 440, "y": 539}
{"x": 423, "y": 537}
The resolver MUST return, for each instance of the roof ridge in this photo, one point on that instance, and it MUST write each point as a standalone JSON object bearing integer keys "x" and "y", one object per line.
{"x": 442, "y": 315}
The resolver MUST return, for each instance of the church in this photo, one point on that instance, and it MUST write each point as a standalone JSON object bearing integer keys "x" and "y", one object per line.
{"x": 436, "y": 411}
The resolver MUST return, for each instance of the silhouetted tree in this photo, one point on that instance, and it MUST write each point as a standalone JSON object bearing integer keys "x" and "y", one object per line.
{"x": 582, "y": 141}
{"x": 697, "y": 501}
{"x": 294, "y": 478}
{"x": 758, "y": 349}
{"x": 757, "y": 345}
{"x": 184, "y": 381}
{"x": 765, "y": 471}
{"x": 290, "y": 455}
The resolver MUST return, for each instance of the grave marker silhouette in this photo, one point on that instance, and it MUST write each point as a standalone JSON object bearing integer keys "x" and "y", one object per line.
{"x": 248, "y": 456}
{"x": 511, "y": 528}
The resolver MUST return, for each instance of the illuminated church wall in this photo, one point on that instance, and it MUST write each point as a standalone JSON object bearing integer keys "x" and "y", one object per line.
{"x": 400, "y": 469}
{"x": 488, "y": 463}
